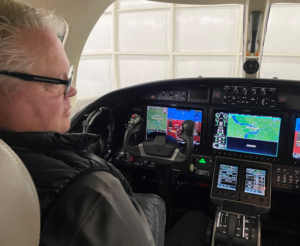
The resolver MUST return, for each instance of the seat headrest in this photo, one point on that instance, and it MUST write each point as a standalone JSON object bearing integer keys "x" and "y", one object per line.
{"x": 19, "y": 206}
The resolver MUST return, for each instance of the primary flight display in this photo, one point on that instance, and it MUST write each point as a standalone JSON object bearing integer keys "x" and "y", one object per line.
{"x": 251, "y": 134}
{"x": 168, "y": 121}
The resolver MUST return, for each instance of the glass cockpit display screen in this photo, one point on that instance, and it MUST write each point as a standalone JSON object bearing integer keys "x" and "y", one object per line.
{"x": 168, "y": 121}
{"x": 228, "y": 176}
{"x": 255, "y": 182}
{"x": 296, "y": 148}
{"x": 246, "y": 133}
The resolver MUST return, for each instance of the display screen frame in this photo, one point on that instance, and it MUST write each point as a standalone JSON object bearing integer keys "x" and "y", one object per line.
{"x": 248, "y": 156}
{"x": 237, "y": 177}
{"x": 255, "y": 198}
{"x": 225, "y": 193}
{"x": 265, "y": 182}
{"x": 193, "y": 98}
{"x": 198, "y": 149}
{"x": 291, "y": 139}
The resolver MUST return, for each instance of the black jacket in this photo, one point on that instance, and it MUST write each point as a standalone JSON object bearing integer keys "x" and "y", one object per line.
{"x": 83, "y": 199}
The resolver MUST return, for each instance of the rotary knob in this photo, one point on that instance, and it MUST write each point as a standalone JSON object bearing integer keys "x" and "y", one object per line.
{"x": 235, "y": 90}
{"x": 253, "y": 91}
{"x": 263, "y": 91}
{"x": 244, "y": 91}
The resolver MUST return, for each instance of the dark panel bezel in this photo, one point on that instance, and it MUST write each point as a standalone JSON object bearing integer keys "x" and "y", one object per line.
{"x": 289, "y": 152}
{"x": 252, "y": 198}
{"x": 246, "y": 156}
{"x": 198, "y": 149}
{"x": 221, "y": 193}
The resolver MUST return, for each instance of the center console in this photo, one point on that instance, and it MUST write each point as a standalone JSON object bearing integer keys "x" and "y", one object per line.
{"x": 242, "y": 192}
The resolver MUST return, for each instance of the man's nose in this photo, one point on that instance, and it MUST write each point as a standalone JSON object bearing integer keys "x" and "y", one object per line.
{"x": 72, "y": 92}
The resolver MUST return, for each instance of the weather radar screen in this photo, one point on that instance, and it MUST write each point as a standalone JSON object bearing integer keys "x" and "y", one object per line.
{"x": 245, "y": 133}
{"x": 296, "y": 149}
{"x": 168, "y": 121}
{"x": 227, "y": 178}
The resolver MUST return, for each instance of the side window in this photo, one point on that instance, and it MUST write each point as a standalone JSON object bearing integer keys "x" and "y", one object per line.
{"x": 281, "y": 56}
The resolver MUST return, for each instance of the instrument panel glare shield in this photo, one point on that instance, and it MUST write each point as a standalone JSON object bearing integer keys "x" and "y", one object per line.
{"x": 253, "y": 134}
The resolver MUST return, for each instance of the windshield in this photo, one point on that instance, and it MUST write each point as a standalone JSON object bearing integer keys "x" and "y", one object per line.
{"x": 137, "y": 41}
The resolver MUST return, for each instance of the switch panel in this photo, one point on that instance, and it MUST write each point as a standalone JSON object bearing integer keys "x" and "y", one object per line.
{"x": 203, "y": 165}
{"x": 171, "y": 96}
{"x": 256, "y": 97}
{"x": 286, "y": 177}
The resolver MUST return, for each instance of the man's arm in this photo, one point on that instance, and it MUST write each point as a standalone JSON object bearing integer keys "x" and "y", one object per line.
{"x": 95, "y": 211}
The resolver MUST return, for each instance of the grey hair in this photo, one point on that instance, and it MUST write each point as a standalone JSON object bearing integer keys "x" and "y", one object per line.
{"x": 14, "y": 17}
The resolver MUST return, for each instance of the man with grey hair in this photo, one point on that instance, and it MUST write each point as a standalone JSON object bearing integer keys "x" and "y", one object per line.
{"x": 83, "y": 199}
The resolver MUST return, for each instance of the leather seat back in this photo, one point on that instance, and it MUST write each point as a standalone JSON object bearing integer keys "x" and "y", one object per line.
{"x": 19, "y": 204}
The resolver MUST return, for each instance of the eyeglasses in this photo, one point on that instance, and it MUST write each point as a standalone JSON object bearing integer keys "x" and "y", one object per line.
{"x": 35, "y": 78}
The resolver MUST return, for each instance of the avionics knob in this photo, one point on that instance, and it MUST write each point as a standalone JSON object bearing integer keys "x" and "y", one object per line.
{"x": 263, "y": 91}
{"x": 192, "y": 167}
{"x": 235, "y": 90}
{"x": 244, "y": 91}
{"x": 253, "y": 91}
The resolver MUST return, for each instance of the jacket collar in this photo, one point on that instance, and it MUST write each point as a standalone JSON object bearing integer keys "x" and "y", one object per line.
{"x": 48, "y": 140}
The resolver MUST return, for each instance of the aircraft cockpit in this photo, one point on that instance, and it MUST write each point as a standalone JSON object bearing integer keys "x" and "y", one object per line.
{"x": 204, "y": 134}
{"x": 243, "y": 169}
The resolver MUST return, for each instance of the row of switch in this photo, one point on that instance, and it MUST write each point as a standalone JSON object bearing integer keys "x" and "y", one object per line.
{"x": 288, "y": 178}
{"x": 266, "y": 102}
{"x": 171, "y": 95}
{"x": 244, "y": 91}
{"x": 246, "y": 156}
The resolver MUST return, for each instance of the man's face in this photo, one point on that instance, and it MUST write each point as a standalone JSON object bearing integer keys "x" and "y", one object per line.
{"x": 40, "y": 106}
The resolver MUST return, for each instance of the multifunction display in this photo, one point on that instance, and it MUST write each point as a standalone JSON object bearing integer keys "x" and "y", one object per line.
{"x": 168, "y": 121}
{"x": 228, "y": 176}
{"x": 296, "y": 149}
{"x": 245, "y": 133}
{"x": 255, "y": 182}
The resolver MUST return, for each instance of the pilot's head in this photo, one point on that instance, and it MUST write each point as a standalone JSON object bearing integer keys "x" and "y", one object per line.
{"x": 29, "y": 46}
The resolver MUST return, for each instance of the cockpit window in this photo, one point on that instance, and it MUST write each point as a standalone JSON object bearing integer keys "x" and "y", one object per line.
{"x": 139, "y": 41}
{"x": 281, "y": 56}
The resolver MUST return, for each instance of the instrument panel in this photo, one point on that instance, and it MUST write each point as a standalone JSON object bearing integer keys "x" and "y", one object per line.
{"x": 242, "y": 119}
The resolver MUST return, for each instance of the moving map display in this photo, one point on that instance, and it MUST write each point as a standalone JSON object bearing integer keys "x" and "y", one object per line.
{"x": 251, "y": 134}
{"x": 255, "y": 182}
{"x": 227, "y": 178}
{"x": 168, "y": 121}
{"x": 296, "y": 148}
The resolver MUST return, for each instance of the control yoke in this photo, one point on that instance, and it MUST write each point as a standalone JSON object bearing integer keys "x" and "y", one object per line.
{"x": 161, "y": 150}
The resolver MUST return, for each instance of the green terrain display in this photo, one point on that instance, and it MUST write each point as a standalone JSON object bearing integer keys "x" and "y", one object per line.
{"x": 157, "y": 118}
{"x": 253, "y": 127}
